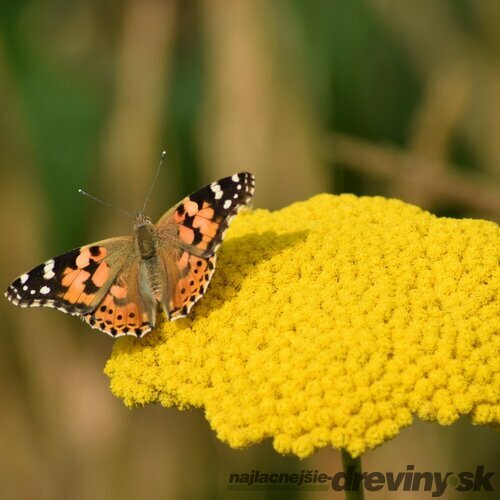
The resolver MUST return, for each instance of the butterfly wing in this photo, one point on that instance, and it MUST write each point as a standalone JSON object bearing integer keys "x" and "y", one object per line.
{"x": 125, "y": 309}
{"x": 199, "y": 221}
{"x": 81, "y": 281}
{"x": 73, "y": 282}
{"x": 190, "y": 234}
{"x": 188, "y": 277}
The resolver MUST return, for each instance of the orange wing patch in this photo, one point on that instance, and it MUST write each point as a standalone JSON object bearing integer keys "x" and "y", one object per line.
{"x": 197, "y": 226}
{"x": 75, "y": 294}
{"x": 79, "y": 285}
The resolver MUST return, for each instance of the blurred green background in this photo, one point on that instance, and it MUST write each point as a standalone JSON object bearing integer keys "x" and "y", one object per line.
{"x": 373, "y": 97}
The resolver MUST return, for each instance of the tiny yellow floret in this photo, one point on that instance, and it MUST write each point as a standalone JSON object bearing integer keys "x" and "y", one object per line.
{"x": 332, "y": 322}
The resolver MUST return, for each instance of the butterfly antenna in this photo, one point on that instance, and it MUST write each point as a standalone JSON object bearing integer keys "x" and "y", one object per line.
{"x": 163, "y": 154}
{"x": 81, "y": 191}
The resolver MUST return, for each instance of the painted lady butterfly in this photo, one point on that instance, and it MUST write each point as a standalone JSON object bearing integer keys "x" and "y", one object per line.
{"x": 117, "y": 285}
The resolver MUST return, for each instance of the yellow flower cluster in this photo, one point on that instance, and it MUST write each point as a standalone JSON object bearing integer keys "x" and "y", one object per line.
{"x": 331, "y": 323}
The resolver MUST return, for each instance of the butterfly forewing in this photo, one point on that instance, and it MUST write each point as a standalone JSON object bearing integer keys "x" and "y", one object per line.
{"x": 73, "y": 282}
{"x": 200, "y": 220}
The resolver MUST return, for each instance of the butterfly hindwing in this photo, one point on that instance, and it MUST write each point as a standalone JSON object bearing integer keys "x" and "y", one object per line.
{"x": 124, "y": 310}
{"x": 189, "y": 276}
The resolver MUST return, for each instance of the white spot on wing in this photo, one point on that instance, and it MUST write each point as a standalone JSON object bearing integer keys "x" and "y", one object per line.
{"x": 227, "y": 204}
{"x": 218, "y": 194}
{"x": 32, "y": 292}
{"x": 24, "y": 278}
{"x": 235, "y": 178}
{"x": 44, "y": 290}
{"x": 215, "y": 187}
{"x": 48, "y": 270}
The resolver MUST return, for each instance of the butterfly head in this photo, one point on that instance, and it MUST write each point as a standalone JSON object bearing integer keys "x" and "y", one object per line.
{"x": 141, "y": 220}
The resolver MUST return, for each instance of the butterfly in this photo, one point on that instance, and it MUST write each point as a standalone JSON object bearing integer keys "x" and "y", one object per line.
{"x": 118, "y": 285}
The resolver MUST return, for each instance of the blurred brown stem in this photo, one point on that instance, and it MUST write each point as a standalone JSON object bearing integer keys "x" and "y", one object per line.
{"x": 441, "y": 183}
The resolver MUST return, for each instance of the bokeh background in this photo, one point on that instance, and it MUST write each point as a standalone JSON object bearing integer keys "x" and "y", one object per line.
{"x": 372, "y": 97}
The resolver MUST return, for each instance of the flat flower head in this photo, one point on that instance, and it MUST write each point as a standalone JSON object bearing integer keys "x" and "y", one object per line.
{"x": 332, "y": 322}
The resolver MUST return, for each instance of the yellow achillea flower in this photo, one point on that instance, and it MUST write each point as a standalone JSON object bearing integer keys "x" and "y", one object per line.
{"x": 332, "y": 322}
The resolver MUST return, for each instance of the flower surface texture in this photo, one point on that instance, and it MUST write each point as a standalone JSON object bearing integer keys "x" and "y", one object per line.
{"x": 332, "y": 322}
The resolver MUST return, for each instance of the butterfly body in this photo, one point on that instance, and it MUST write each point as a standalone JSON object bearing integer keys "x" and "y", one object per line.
{"x": 145, "y": 237}
{"x": 118, "y": 285}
